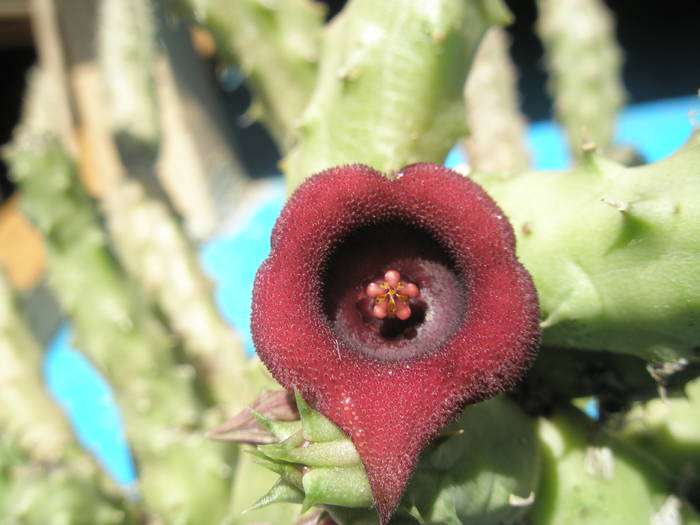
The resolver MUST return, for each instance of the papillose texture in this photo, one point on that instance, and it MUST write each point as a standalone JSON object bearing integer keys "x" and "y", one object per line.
{"x": 390, "y": 303}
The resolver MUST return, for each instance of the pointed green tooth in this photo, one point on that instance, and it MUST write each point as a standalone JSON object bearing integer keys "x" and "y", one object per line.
{"x": 289, "y": 473}
{"x": 281, "y": 492}
{"x": 281, "y": 430}
{"x": 316, "y": 427}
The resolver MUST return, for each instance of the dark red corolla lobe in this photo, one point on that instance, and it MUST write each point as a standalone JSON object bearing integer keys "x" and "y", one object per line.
{"x": 336, "y": 315}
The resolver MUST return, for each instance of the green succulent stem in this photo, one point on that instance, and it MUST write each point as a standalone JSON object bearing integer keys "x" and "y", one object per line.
{"x": 275, "y": 45}
{"x": 147, "y": 235}
{"x": 158, "y": 392}
{"x": 625, "y": 279}
{"x": 585, "y": 68}
{"x": 497, "y": 128}
{"x": 128, "y": 50}
{"x": 670, "y": 429}
{"x": 592, "y": 476}
{"x": 71, "y": 490}
{"x": 29, "y": 415}
{"x": 43, "y": 471}
{"x": 389, "y": 90}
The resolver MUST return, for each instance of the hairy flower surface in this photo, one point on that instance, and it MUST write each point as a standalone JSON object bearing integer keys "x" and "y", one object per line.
{"x": 390, "y": 304}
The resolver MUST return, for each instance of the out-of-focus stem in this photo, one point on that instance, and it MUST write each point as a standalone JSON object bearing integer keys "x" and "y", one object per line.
{"x": 28, "y": 414}
{"x": 158, "y": 394}
{"x": 275, "y": 45}
{"x": 46, "y": 471}
{"x": 496, "y": 141}
{"x": 147, "y": 236}
{"x": 585, "y": 68}
{"x": 151, "y": 244}
{"x": 127, "y": 50}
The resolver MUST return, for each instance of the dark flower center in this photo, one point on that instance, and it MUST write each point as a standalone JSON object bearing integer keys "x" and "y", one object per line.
{"x": 379, "y": 314}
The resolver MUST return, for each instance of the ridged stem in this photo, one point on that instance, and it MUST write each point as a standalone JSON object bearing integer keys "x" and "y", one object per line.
{"x": 585, "y": 69}
{"x": 275, "y": 45}
{"x": 496, "y": 141}
{"x": 147, "y": 236}
{"x": 157, "y": 393}
{"x": 625, "y": 279}
{"x": 389, "y": 90}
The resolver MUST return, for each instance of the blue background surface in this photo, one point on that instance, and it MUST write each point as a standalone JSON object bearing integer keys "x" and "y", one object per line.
{"x": 656, "y": 129}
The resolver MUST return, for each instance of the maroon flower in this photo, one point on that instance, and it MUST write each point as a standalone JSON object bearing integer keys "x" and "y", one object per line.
{"x": 390, "y": 304}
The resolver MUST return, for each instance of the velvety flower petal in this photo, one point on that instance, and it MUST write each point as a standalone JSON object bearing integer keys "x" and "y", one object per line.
{"x": 391, "y": 384}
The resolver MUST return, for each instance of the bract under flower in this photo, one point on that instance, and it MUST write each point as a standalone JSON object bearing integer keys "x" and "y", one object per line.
{"x": 392, "y": 383}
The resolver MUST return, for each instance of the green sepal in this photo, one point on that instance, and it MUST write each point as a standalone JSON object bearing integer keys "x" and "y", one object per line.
{"x": 281, "y": 492}
{"x": 315, "y": 426}
{"x": 347, "y": 487}
{"x": 281, "y": 430}
{"x": 287, "y": 472}
{"x": 340, "y": 453}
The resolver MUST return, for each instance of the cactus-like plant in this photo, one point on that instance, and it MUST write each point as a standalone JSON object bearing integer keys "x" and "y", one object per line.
{"x": 612, "y": 252}
{"x": 496, "y": 140}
